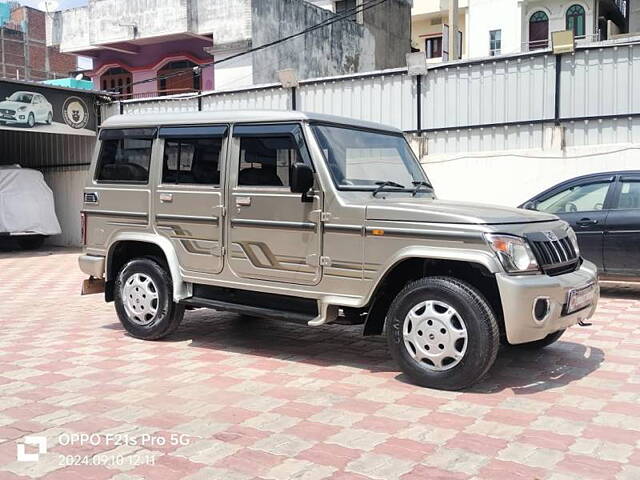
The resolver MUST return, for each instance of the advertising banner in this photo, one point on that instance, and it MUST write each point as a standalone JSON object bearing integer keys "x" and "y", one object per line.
{"x": 34, "y": 107}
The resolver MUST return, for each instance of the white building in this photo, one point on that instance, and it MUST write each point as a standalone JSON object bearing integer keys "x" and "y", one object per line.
{"x": 493, "y": 27}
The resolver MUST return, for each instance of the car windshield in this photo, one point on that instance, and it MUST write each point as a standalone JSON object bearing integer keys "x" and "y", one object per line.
{"x": 21, "y": 97}
{"x": 364, "y": 159}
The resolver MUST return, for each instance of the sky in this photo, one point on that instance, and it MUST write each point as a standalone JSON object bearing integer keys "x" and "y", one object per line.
{"x": 63, "y": 4}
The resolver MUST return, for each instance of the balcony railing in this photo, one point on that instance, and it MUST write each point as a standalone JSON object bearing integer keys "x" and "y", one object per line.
{"x": 153, "y": 93}
{"x": 546, "y": 43}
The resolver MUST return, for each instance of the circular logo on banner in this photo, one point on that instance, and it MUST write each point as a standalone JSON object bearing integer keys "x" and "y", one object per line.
{"x": 75, "y": 113}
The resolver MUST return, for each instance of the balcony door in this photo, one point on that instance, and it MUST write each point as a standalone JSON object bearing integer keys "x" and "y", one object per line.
{"x": 538, "y": 30}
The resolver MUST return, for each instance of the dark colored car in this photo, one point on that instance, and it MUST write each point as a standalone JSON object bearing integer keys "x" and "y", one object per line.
{"x": 604, "y": 211}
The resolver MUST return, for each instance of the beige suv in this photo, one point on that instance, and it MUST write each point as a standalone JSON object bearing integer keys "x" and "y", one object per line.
{"x": 318, "y": 219}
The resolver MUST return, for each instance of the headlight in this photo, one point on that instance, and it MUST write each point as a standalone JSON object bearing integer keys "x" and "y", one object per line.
{"x": 22, "y": 109}
{"x": 574, "y": 240}
{"x": 514, "y": 253}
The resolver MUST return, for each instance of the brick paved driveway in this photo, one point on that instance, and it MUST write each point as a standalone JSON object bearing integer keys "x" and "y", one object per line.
{"x": 236, "y": 398}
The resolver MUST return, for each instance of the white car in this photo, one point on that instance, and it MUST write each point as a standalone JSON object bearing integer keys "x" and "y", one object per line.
{"x": 27, "y": 210}
{"x": 26, "y": 108}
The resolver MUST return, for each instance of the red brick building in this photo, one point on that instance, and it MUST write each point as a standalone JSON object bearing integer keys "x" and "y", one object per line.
{"x": 23, "y": 48}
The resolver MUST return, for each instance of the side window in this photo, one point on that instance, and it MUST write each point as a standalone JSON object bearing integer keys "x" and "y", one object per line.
{"x": 266, "y": 160}
{"x": 629, "y": 195}
{"x": 579, "y": 198}
{"x": 125, "y": 156}
{"x": 194, "y": 161}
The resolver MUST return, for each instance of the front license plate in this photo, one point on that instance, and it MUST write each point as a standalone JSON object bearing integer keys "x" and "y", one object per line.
{"x": 580, "y": 298}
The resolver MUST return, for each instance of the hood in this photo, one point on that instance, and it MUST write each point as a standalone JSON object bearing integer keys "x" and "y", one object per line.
{"x": 444, "y": 211}
{"x": 12, "y": 105}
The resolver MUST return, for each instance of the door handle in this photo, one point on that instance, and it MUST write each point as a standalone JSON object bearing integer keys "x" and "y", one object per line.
{"x": 243, "y": 201}
{"x": 166, "y": 197}
{"x": 585, "y": 222}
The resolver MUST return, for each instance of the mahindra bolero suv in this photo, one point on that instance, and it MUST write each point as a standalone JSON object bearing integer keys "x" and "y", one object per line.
{"x": 318, "y": 219}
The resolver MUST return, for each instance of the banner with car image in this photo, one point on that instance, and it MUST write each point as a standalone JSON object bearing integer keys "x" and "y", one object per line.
{"x": 29, "y": 106}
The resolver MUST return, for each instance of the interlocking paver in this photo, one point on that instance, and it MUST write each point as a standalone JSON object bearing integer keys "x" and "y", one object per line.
{"x": 259, "y": 399}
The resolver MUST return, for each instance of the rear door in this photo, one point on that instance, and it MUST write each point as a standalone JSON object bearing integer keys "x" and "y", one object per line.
{"x": 189, "y": 197}
{"x": 118, "y": 196}
{"x": 583, "y": 204}
{"x": 622, "y": 236}
{"x": 273, "y": 234}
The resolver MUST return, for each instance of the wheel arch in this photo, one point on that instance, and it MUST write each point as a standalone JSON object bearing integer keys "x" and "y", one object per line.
{"x": 476, "y": 269}
{"x": 125, "y": 248}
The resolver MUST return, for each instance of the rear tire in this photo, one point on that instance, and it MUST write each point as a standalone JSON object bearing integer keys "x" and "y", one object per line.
{"x": 442, "y": 333}
{"x": 144, "y": 303}
{"x": 31, "y": 242}
{"x": 543, "y": 342}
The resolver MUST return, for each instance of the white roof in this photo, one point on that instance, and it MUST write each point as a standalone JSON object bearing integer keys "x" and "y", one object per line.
{"x": 235, "y": 116}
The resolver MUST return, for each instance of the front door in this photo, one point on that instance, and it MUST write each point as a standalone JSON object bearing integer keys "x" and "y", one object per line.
{"x": 273, "y": 234}
{"x": 37, "y": 105}
{"x": 189, "y": 199}
{"x": 583, "y": 205}
{"x": 622, "y": 236}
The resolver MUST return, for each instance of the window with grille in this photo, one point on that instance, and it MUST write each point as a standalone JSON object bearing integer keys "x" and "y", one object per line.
{"x": 576, "y": 20}
{"x": 495, "y": 42}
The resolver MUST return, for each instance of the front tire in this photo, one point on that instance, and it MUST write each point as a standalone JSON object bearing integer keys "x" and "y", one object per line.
{"x": 144, "y": 300}
{"x": 442, "y": 333}
{"x": 31, "y": 120}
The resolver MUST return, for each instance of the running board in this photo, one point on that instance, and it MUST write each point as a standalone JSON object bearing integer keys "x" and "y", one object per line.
{"x": 296, "y": 317}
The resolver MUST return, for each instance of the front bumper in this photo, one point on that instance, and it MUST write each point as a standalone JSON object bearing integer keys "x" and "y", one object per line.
{"x": 18, "y": 118}
{"x": 92, "y": 265}
{"x": 518, "y": 294}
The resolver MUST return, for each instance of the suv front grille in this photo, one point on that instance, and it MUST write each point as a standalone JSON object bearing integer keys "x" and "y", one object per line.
{"x": 555, "y": 257}
{"x": 6, "y": 111}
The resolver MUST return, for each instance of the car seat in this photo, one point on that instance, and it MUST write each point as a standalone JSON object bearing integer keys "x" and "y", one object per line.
{"x": 259, "y": 176}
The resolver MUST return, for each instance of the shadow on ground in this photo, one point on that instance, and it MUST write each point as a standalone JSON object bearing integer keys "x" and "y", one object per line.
{"x": 629, "y": 291}
{"x": 532, "y": 371}
{"x": 9, "y": 248}
{"x": 522, "y": 371}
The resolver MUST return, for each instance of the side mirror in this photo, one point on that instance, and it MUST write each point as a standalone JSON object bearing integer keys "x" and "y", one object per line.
{"x": 530, "y": 206}
{"x": 301, "y": 180}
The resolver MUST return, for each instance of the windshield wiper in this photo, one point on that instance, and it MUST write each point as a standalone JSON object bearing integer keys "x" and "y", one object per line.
{"x": 383, "y": 185}
{"x": 420, "y": 184}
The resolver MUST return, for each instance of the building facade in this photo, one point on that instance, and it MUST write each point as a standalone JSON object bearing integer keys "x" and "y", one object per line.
{"x": 24, "y": 53}
{"x": 132, "y": 43}
{"x": 520, "y": 26}
{"x": 634, "y": 17}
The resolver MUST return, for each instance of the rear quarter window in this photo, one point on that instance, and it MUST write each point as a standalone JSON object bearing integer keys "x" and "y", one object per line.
{"x": 125, "y": 156}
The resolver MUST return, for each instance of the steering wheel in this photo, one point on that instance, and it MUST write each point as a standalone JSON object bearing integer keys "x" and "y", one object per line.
{"x": 570, "y": 207}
